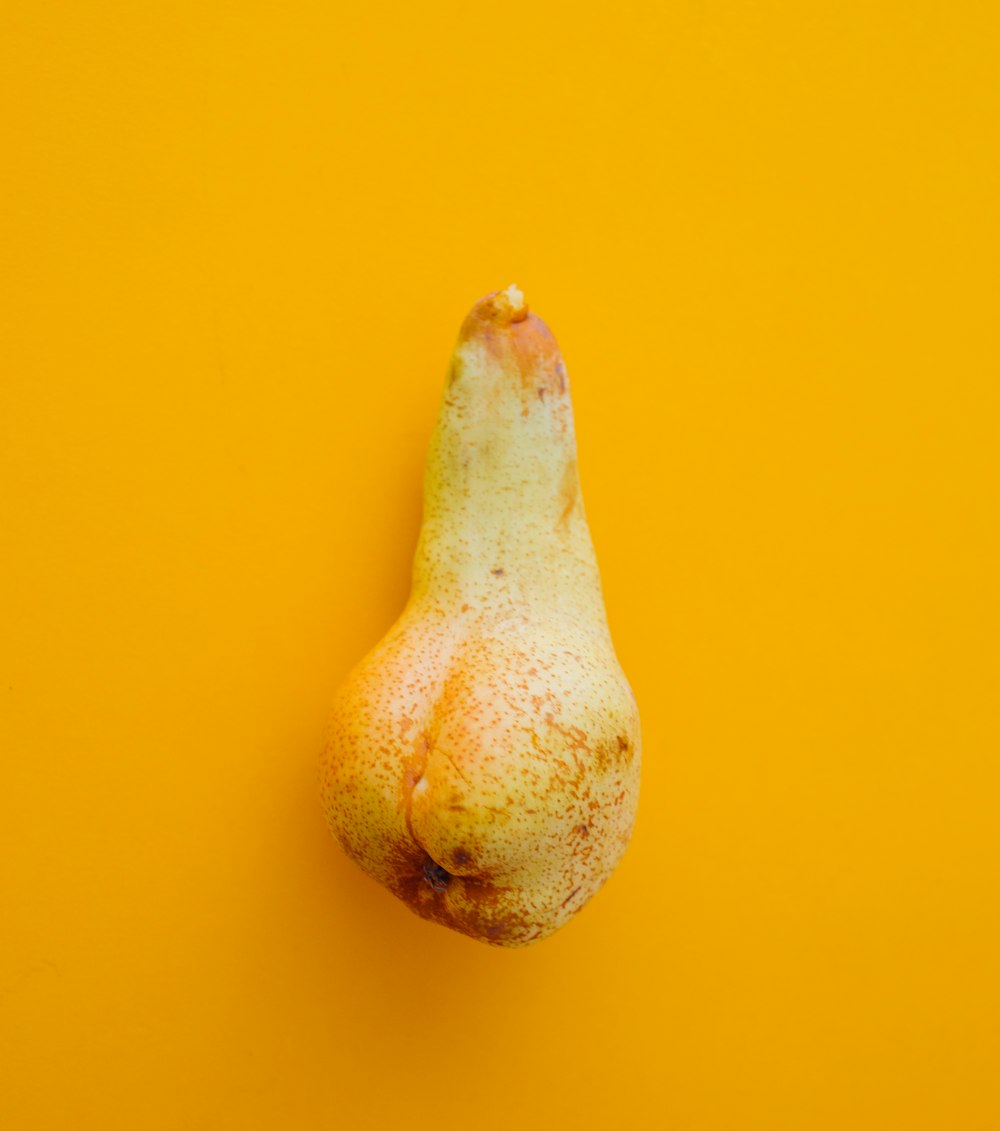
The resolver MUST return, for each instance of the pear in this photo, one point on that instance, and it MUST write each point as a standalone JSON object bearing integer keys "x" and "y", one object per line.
{"x": 482, "y": 762}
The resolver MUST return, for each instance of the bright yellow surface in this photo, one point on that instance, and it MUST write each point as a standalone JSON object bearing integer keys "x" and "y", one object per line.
{"x": 238, "y": 242}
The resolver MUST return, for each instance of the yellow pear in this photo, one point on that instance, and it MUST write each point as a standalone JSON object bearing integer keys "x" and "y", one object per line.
{"x": 482, "y": 761}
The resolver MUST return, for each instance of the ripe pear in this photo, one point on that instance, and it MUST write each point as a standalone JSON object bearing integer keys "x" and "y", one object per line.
{"x": 482, "y": 762}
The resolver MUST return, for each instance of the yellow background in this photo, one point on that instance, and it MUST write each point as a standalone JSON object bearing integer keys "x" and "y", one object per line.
{"x": 238, "y": 240}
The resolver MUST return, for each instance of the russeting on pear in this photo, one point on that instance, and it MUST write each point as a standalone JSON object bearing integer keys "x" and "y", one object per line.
{"x": 482, "y": 762}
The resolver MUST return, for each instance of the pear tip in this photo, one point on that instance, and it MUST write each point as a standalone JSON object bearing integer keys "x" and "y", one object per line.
{"x": 506, "y": 306}
{"x": 513, "y": 300}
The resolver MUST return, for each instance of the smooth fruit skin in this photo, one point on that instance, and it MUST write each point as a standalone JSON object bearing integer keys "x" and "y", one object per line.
{"x": 482, "y": 762}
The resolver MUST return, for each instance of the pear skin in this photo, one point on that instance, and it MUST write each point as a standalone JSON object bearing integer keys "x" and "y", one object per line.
{"x": 482, "y": 761}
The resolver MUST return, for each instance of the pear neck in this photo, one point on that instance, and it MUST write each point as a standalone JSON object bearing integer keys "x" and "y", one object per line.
{"x": 502, "y": 508}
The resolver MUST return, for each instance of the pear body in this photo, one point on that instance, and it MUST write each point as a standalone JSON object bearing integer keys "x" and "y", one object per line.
{"x": 482, "y": 762}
